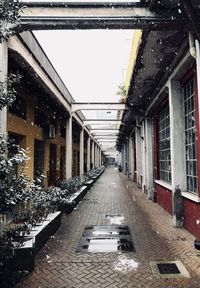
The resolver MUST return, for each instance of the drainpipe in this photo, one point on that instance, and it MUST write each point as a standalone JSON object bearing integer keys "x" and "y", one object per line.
{"x": 192, "y": 45}
{"x": 198, "y": 70}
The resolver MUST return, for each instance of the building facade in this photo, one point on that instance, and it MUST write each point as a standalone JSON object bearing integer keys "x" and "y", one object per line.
{"x": 41, "y": 119}
{"x": 160, "y": 149}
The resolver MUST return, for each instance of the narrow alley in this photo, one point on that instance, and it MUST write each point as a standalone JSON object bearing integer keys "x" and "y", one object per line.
{"x": 154, "y": 239}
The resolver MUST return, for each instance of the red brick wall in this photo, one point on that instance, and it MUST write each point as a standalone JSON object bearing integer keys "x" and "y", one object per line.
{"x": 191, "y": 214}
{"x": 164, "y": 198}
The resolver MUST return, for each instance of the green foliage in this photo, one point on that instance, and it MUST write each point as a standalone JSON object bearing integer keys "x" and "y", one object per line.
{"x": 9, "y": 17}
{"x": 122, "y": 90}
{"x": 12, "y": 188}
{"x": 7, "y": 89}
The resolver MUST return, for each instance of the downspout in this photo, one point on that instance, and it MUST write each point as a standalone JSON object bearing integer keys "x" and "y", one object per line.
{"x": 198, "y": 71}
{"x": 192, "y": 45}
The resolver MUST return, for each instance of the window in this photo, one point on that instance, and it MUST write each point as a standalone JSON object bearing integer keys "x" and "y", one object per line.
{"x": 190, "y": 136}
{"x": 164, "y": 145}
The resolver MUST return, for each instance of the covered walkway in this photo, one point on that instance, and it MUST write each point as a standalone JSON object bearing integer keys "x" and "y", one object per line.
{"x": 59, "y": 265}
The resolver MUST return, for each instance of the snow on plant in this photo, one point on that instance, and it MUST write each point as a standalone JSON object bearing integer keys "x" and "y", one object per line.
{"x": 71, "y": 185}
{"x": 12, "y": 187}
{"x": 7, "y": 89}
{"x": 9, "y": 17}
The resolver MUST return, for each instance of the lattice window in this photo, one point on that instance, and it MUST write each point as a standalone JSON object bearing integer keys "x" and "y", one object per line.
{"x": 190, "y": 137}
{"x": 164, "y": 145}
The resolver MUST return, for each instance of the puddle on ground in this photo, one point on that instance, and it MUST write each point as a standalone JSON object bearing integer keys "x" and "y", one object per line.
{"x": 125, "y": 265}
{"x": 106, "y": 239}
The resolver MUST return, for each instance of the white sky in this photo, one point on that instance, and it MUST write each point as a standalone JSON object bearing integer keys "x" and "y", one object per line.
{"x": 92, "y": 63}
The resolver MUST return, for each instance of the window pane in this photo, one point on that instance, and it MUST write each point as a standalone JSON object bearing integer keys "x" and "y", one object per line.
{"x": 190, "y": 137}
{"x": 164, "y": 145}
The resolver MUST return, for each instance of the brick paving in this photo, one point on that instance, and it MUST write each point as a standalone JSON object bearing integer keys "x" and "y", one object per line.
{"x": 58, "y": 265}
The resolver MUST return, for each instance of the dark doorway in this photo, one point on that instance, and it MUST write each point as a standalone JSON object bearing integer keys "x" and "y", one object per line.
{"x": 38, "y": 158}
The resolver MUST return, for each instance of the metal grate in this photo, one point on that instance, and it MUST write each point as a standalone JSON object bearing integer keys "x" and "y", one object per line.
{"x": 168, "y": 268}
{"x": 106, "y": 239}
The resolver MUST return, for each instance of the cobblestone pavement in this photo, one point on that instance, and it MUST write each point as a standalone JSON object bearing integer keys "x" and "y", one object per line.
{"x": 58, "y": 265}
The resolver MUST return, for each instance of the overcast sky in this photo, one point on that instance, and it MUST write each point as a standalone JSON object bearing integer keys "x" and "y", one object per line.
{"x": 92, "y": 63}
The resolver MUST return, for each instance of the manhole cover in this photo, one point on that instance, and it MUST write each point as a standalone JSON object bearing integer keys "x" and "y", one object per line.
{"x": 169, "y": 269}
{"x": 106, "y": 239}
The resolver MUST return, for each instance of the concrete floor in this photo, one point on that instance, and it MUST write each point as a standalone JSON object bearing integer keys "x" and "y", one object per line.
{"x": 58, "y": 265}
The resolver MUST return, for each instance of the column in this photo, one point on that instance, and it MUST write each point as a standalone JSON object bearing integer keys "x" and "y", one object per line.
{"x": 143, "y": 149}
{"x": 138, "y": 156}
{"x": 100, "y": 157}
{"x": 131, "y": 158}
{"x": 3, "y": 75}
{"x": 177, "y": 145}
{"x": 149, "y": 156}
{"x": 3, "y": 112}
{"x": 69, "y": 148}
{"x": 88, "y": 153}
{"x": 81, "y": 154}
{"x": 93, "y": 154}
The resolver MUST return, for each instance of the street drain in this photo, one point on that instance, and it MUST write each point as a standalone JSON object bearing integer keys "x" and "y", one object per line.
{"x": 106, "y": 239}
{"x": 170, "y": 269}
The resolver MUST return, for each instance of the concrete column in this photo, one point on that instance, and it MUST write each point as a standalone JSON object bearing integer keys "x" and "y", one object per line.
{"x": 88, "y": 153}
{"x": 127, "y": 158}
{"x": 138, "y": 156}
{"x": 122, "y": 157}
{"x": 131, "y": 158}
{"x": 100, "y": 157}
{"x": 3, "y": 75}
{"x": 81, "y": 160}
{"x": 69, "y": 148}
{"x": 177, "y": 142}
{"x": 3, "y": 112}
{"x": 149, "y": 156}
{"x": 93, "y": 155}
{"x": 143, "y": 149}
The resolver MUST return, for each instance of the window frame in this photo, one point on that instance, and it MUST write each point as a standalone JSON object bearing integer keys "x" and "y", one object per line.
{"x": 192, "y": 76}
{"x": 167, "y": 180}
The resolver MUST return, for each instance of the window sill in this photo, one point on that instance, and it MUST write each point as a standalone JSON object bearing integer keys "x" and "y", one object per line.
{"x": 164, "y": 184}
{"x": 190, "y": 196}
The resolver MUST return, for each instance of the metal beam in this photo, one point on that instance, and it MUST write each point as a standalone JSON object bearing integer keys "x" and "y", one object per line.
{"x": 103, "y": 129}
{"x": 101, "y": 122}
{"x": 97, "y": 106}
{"x": 108, "y": 15}
{"x": 106, "y": 140}
{"x": 104, "y": 134}
{"x": 105, "y": 137}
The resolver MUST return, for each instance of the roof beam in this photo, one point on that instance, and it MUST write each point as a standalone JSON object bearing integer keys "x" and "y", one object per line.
{"x": 108, "y": 15}
{"x": 106, "y": 140}
{"x": 97, "y": 106}
{"x": 96, "y": 134}
{"x": 103, "y": 129}
{"x": 101, "y": 122}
